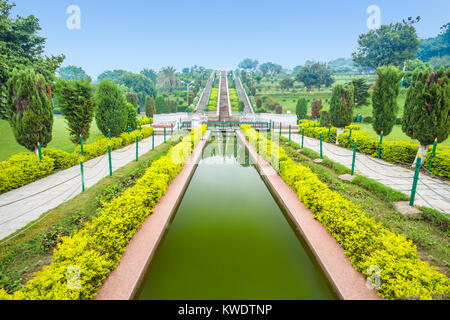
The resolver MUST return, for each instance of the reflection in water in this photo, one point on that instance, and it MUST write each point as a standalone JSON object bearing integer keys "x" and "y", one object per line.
{"x": 230, "y": 240}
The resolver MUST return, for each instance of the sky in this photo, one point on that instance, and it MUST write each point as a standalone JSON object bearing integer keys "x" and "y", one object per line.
{"x": 137, "y": 34}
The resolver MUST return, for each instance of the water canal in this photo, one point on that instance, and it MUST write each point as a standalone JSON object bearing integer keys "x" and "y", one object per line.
{"x": 229, "y": 239}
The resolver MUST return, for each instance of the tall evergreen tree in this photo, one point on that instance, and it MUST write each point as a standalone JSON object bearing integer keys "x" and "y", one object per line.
{"x": 384, "y": 99}
{"x": 149, "y": 106}
{"x": 302, "y": 107}
{"x": 361, "y": 92}
{"x": 161, "y": 105}
{"x": 342, "y": 105}
{"x": 132, "y": 121}
{"x": 316, "y": 107}
{"x": 111, "y": 111}
{"x": 76, "y": 100}
{"x": 426, "y": 115}
{"x": 30, "y": 110}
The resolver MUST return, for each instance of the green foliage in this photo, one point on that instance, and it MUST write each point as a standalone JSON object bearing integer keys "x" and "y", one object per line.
{"x": 366, "y": 242}
{"x": 30, "y": 110}
{"x": 315, "y": 75}
{"x": 270, "y": 68}
{"x": 96, "y": 249}
{"x": 234, "y": 100}
{"x": 132, "y": 121}
{"x": 161, "y": 105}
{"x": 287, "y": 83}
{"x": 139, "y": 84}
{"x": 414, "y": 66}
{"x": 112, "y": 76}
{"x": 361, "y": 92}
{"x": 21, "y": 46}
{"x": 435, "y": 47}
{"x": 324, "y": 119}
{"x": 111, "y": 111}
{"x": 241, "y": 107}
{"x": 384, "y": 99}
{"x": 72, "y": 73}
{"x": 391, "y": 44}
{"x": 63, "y": 160}
{"x": 213, "y": 99}
{"x": 426, "y": 115}
{"x": 302, "y": 107}
{"x": 151, "y": 74}
{"x": 23, "y": 168}
{"x": 133, "y": 99}
{"x": 341, "y": 105}
{"x": 149, "y": 106}
{"x": 248, "y": 64}
{"x": 76, "y": 101}
{"x": 316, "y": 107}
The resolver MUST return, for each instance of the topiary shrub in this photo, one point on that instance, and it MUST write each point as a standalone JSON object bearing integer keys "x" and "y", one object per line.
{"x": 132, "y": 121}
{"x": 63, "y": 160}
{"x": 342, "y": 105}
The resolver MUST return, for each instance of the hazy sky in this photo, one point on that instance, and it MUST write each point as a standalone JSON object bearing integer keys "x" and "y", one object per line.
{"x": 135, "y": 34}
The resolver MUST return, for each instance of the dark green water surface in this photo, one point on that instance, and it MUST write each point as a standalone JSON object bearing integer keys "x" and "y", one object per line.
{"x": 229, "y": 239}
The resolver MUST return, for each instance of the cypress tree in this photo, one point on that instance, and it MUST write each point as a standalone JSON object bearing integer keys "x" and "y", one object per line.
{"x": 76, "y": 100}
{"x": 361, "y": 92}
{"x": 302, "y": 108}
{"x": 149, "y": 106}
{"x": 316, "y": 107}
{"x": 132, "y": 117}
{"x": 384, "y": 99}
{"x": 30, "y": 111}
{"x": 426, "y": 115}
{"x": 161, "y": 105}
{"x": 341, "y": 105}
{"x": 111, "y": 111}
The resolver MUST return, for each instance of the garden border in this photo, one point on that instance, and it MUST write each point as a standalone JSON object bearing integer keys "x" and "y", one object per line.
{"x": 348, "y": 283}
{"x": 123, "y": 282}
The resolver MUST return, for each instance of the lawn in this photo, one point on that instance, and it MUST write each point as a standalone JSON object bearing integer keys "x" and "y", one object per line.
{"x": 61, "y": 138}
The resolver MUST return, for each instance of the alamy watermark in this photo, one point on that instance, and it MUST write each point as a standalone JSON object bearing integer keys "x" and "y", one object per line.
{"x": 374, "y": 20}
{"x": 73, "y": 22}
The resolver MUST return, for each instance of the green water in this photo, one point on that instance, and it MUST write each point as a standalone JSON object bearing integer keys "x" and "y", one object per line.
{"x": 229, "y": 239}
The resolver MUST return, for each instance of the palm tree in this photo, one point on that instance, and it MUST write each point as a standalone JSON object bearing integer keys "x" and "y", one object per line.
{"x": 167, "y": 78}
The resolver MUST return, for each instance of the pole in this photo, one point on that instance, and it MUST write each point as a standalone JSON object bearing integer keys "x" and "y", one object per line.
{"x": 281, "y": 125}
{"x": 321, "y": 156}
{"x": 109, "y": 134}
{"x": 81, "y": 145}
{"x": 164, "y": 134}
{"x": 137, "y": 148}
{"x": 128, "y": 129}
{"x": 289, "y": 133}
{"x": 39, "y": 151}
{"x": 349, "y": 136}
{"x": 432, "y": 155}
{"x": 380, "y": 144}
{"x": 82, "y": 175}
{"x": 354, "y": 157}
{"x": 416, "y": 177}
{"x": 329, "y": 134}
{"x": 303, "y": 136}
{"x": 110, "y": 161}
{"x": 153, "y": 139}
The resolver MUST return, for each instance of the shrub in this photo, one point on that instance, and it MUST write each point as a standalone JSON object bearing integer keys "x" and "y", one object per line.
{"x": 301, "y": 110}
{"x": 132, "y": 117}
{"x": 367, "y": 119}
{"x": 279, "y": 109}
{"x": 365, "y": 241}
{"x": 63, "y": 160}
{"x": 111, "y": 111}
{"x": 23, "y": 168}
{"x": 96, "y": 249}
{"x": 316, "y": 107}
{"x": 342, "y": 105}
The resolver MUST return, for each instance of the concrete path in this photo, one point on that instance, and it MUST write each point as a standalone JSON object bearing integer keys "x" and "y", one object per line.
{"x": 243, "y": 95}
{"x": 431, "y": 192}
{"x": 21, "y": 206}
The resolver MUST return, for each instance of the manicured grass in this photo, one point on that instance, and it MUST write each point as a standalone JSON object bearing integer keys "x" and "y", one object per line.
{"x": 60, "y": 140}
{"x": 429, "y": 232}
{"x": 29, "y": 251}
{"x": 396, "y": 134}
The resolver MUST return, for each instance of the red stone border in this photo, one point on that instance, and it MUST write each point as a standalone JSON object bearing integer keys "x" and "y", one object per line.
{"x": 348, "y": 283}
{"x": 123, "y": 282}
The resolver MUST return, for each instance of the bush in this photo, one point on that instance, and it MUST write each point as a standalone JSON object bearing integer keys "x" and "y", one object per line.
{"x": 342, "y": 105}
{"x": 366, "y": 242}
{"x": 97, "y": 248}
{"x": 63, "y": 160}
{"x": 132, "y": 117}
{"x": 367, "y": 119}
{"x": 279, "y": 109}
{"x": 23, "y": 168}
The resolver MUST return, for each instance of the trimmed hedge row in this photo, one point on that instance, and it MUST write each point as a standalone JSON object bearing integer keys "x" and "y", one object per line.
{"x": 396, "y": 152}
{"x": 144, "y": 121}
{"x": 23, "y": 168}
{"x": 234, "y": 100}
{"x": 213, "y": 97}
{"x": 366, "y": 242}
{"x": 82, "y": 261}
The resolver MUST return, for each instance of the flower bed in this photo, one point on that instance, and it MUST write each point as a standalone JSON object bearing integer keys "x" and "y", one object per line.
{"x": 214, "y": 96}
{"x": 366, "y": 242}
{"x": 24, "y": 168}
{"x": 95, "y": 250}
{"x": 234, "y": 100}
{"x": 396, "y": 152}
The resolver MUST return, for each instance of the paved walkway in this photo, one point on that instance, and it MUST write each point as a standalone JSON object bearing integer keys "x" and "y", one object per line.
{"x": 431, "y": 192}
{"x": 21, "y": 206}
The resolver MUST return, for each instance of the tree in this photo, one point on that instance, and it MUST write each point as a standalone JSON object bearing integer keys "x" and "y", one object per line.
{"x": 248, "y": 64}
{"x": 341, "y": 105}
{"x": 315, "y": 75}
{"x": 21, "y": 46}
{"x": 324, "y": 118}
{"x": 361, "y": 92}
{"x": 167, "y": 78}
{"x": 390, "y": 44}
{"x": 151, "y": 74}
{"x": 426, "y": 115}
{"x": 286, "y": 84}
{"x": 316, "y": 107}
{"x": 111, "y": 111}
{"x": 270, "y": 68}
{"x": 112, "y": 76}
{"x": 132, "y": 98}
{"x": 241, "y": 107}
{"x": 161, "y": 105}
{"x": 72, "y": 72}
{"x": 414, "y": 65}
{"x": 302, "y": 108}
{"x": 384, "y": 99}
{"x": 149, "y": 106}
{"x": 435, "y": 47}
{"x": 132, "y": 117}
{"x": 75, "y": 98}
{"x": 30, "y": 111}
{"x": 139, "y": 84}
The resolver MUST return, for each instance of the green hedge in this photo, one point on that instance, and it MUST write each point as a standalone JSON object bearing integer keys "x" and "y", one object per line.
{"x": 396, "y": 152}
{"x": 24, "y": 168}
{"x": 96, "y": 249}
{"x": 366, "y": 242}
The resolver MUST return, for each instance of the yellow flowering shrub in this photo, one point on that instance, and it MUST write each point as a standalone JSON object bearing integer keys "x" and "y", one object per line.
{"x": 82, "y": 261}
{"x": 366, "y": 242}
